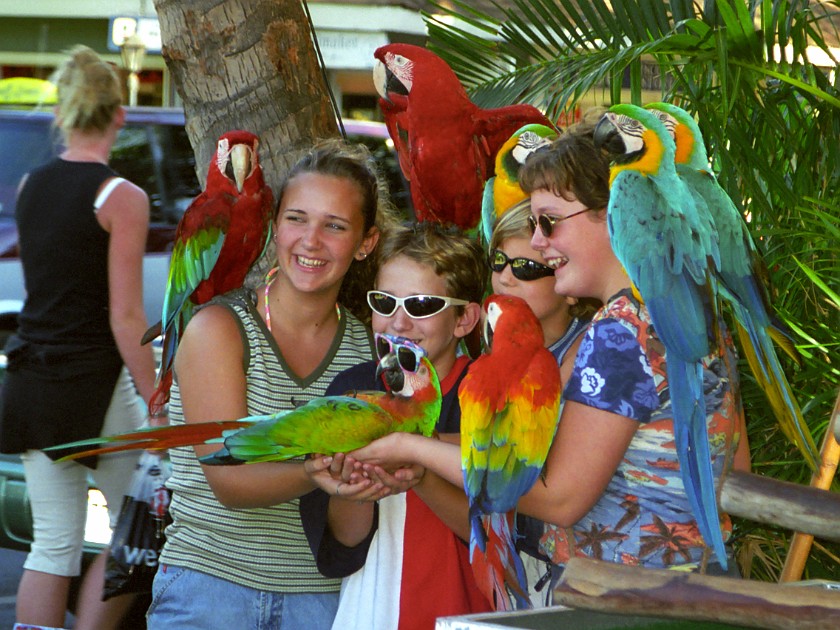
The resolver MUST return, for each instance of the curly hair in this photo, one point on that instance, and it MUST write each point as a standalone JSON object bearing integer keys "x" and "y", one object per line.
{"x": 571, "y": 167}
{"x": 453, "y": 256}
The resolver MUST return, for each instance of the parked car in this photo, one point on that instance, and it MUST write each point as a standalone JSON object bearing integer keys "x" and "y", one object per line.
{"x": 153, "y": 151}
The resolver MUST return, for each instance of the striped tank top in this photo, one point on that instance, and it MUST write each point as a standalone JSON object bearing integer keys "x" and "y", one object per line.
{"x": 261, "y": 548}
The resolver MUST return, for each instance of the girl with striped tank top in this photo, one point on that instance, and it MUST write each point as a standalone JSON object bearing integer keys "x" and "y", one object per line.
{"x": 236, "y": 555}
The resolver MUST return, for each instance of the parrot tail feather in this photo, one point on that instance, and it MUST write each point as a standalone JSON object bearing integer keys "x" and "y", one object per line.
{"x": 152, "y": 333}
{"x": 499, "y": 571}
{"x": 685, "y": 381}
{"x": 154, "y": 438}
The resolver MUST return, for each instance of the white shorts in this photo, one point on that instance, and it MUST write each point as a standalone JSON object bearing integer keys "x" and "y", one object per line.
{"x": 58, "y": 490}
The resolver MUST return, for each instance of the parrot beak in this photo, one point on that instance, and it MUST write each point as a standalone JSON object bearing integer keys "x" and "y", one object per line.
{"x": 240, "y": 163}
{"x": 386, "y": 82}
{"x": 607, "y": 138}
{"x": 389, "y": 370}
{"x": 488, "y": 332}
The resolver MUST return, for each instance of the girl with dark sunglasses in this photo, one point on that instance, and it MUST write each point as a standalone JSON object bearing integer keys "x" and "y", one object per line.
{"x": 428, "y": 289}
{"x": 518, "y": 269}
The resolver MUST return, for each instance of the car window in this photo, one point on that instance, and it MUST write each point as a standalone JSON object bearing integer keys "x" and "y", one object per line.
{"x": 159, "y": 159}
{"x": 24, "y": 143}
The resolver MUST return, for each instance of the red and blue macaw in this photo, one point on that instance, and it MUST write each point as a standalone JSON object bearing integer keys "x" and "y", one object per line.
{"x": 741, "y": 270}
{"x": 446, "y": 144}
{"x": 509, "y": 401}
{"x": 670, "y": 251}
{"x": 222, "y": 233}
{"x": 328, "y": 425}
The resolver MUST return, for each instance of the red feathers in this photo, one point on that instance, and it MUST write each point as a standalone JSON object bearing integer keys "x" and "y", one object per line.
{"x": 446, "y": 144}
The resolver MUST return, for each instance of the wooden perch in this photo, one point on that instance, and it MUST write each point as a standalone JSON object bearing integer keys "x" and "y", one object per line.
{"x": 617, "y": 588}
{"x": 789, "y": 505}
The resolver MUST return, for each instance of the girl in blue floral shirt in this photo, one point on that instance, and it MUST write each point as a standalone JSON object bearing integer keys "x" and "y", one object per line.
{"x": 612, "y": 485}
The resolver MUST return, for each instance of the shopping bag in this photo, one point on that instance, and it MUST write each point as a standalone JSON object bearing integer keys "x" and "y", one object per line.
{"x": 138, "y": 536}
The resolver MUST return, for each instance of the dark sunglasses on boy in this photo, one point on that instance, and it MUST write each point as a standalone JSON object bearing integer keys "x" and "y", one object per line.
{"x": 408, "y": 354}
{"x": 416, "y": 306}
{"x": 546, "y": 222}
{"x": 522, "y": 268}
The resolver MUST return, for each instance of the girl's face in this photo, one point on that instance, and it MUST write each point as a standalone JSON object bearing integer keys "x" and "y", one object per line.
{"x": 578, "y": 249}
{"x": 539, "y": 294}
{"x": 319, "y": 230}
{"x": 439, "y": 334}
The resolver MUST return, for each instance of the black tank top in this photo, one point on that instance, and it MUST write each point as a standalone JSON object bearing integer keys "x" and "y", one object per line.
{"x": 64, "y": 252}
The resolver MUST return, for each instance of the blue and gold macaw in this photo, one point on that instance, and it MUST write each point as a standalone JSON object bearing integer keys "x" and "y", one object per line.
{"x": 740, "y": 277}
{"x": 669, "y": 248}
{"x": 509, "y": 401}
{"x": 502, "y": 191}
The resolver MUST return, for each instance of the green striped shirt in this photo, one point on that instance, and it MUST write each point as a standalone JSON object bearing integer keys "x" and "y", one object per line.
{"x": 261, "y": 548}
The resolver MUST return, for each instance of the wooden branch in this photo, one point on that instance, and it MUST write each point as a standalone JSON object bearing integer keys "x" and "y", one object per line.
{"x": 789, "y": 505}
{"x": 800, "y": 544}
{"x": 609, "y": 587}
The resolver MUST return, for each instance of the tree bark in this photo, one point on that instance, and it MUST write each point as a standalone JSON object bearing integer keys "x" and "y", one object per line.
{"x": 246, "y": 64}
{"x": 610, "y": 587}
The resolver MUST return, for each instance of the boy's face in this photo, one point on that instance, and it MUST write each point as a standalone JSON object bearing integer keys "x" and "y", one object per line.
{"x": 439, "y": 334}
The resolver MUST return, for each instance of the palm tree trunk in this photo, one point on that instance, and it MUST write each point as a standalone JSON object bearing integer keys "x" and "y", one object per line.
{"x": 246, "y": 64}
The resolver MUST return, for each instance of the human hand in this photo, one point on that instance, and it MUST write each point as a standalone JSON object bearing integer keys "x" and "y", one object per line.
{"x": 402, "y": 480}
{"x": 390, "y": 452}
{"x": 337, "y": 476}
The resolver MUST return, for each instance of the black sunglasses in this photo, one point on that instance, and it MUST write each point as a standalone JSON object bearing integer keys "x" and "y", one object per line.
{"x": 521, "y": 268}
{"x": 408, "y": 353}
{"x": 417, "y": 306}
{"x": 548, "y": 221}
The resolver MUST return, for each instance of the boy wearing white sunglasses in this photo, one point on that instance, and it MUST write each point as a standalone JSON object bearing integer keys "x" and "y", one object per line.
{"x": 404, "y": 558}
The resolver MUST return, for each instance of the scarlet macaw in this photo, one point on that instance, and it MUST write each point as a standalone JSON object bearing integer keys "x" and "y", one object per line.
{"x": 670, "y": 251}
{"x": 509, "y": 400}
{"x": 740, "y": 276}
{"x": 222, "y": 233}
{"x": 446, "y": 144}
{"x": 502, "y": 191}
{"x": 329, "y": 424}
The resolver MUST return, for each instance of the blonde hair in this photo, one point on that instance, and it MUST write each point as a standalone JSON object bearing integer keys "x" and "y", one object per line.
{"x": 512, "y": 224}
{"x": 89, "y": 92}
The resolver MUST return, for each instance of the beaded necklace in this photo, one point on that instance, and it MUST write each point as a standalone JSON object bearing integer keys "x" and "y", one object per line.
{"x": 269, "y": 278}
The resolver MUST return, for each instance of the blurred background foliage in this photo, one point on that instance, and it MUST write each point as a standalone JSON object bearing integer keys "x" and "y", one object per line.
{"x": 761, "y": 78}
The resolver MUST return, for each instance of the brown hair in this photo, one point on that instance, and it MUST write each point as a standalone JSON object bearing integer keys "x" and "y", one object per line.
{"x": 89, "y": 92}
{"x": 453, "y": 256}
{"x": 571, "y": 167}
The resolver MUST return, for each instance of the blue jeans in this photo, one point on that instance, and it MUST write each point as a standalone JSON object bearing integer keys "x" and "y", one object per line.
{"x": 187, "y": 599}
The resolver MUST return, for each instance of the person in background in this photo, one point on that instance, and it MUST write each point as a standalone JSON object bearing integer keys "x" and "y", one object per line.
{"x": 235, "y": 554}
{"x": 518, "y": 269}
{"x": 404, "y": 559}
{"x": 76, "y": 363}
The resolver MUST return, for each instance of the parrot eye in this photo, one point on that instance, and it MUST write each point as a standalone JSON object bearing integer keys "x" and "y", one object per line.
{"x": 400, "y": 60}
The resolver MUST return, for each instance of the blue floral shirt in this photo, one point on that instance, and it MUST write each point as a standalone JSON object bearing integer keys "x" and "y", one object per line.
{"x": 644, "y": 516}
